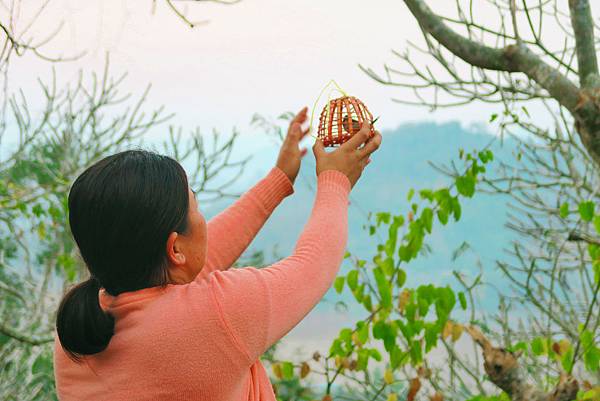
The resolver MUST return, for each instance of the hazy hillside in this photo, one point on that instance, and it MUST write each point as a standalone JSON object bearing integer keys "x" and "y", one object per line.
{"x": 400, "y": 164}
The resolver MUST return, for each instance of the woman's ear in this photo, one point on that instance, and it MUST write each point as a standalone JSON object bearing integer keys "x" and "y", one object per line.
{"x": 174, "y": 254}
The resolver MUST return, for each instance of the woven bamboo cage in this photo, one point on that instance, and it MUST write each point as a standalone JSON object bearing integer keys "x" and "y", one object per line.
{"x": 341, "y": 118}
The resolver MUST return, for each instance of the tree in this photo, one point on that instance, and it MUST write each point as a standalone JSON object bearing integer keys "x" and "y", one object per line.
{"x": 548, "y": 326}
{"x": 551, "y": 181}
{"x": 38, "y": 258}
{"x": 78, "y": 124}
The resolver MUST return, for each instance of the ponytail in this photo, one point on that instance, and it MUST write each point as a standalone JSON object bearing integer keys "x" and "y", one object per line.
{"x": 122, "y": 209}
{"x": 83, "y": 327}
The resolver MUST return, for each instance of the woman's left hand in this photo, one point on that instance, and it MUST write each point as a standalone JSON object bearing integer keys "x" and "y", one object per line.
{"x": 290, "y": 154}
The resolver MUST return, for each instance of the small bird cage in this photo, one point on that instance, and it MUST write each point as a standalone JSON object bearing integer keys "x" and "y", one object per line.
{"x": 341, "y": 118}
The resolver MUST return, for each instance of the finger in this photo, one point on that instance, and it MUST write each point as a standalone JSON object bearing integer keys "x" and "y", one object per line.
{"x": 359, "y": 138}
{"x": 370, "y": 146}
{"x": 318, "y": 149}
{"x": 304, "y": 133}
{"x": 301, "y": 116}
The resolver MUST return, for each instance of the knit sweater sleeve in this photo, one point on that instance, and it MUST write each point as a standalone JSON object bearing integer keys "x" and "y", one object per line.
{"x": 230, "y": 232}
{"x": 259, "y": 306}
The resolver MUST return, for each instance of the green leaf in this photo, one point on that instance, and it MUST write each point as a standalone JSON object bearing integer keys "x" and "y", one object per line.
{"x": 338, "y": 284}
{"x": 375, "y": 354}
{"x": 37, "y": 210}
{"x": 363, "y": 359}
{"x": 456, "y": 209}
{"x": 591, "y": 353}
{"x": 352, "y": 279}
{"x": 538, "y": 346}
{"x": 493, "y": 117}
{"x": 367, "y": 303}
{"x": 404, "y": 253}
{"x": 427, "y": 218}
{"x": 388, "y": 266}
{"x": 390, "y": 245}
{"x": 401, "y": 278}
{"x": 586, "y": 210}
{"x": 567, "y": 360}
{"x": 410, "y": 194}
{"x": 465, "y": 185}
{"x": 426, "y": 194}
{"x": 379, "y": 329}
{"x": 463, "y": 300}
{"x": 382, "y": 217}
{"x": 597, "y": 223}
{"x": 383, "y": 286}
{"x": 287, "y": 368}
{"x": 443, "y": 216}
{"x": 42, "y": 365}
{"x": 416, "y": 354}
{"x": 594, "y": 251}
{"x": 396, "y": 357}
{"x": 363, "y": 332}
{"x": 564, "y": 210}
{"x": 336, "y": 347}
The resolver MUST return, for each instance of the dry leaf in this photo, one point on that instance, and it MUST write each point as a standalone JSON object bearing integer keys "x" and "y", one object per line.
{"x": 304, "y": 370}
{"x": 277, "y": 371}
{"x": 436, "y": 397}
{"x": 447, "y": 331}
{"x": 457, "y": 330}
{"x": 561, "y": 347}
{"x": 403, "y": 300}
{"x": 355, "y": 340}
{"x": 424, "y": 372}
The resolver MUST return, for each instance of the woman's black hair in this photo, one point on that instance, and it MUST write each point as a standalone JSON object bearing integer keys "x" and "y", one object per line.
{"x": 121, "y": 212}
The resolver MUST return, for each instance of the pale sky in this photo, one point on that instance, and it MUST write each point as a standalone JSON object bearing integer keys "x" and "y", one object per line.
{"x": 265, "y": 56}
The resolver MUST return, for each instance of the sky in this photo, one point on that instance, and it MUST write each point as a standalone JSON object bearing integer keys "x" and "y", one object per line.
{"x": 257, "y": 56}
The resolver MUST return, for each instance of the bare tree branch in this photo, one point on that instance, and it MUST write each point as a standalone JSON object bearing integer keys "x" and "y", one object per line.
{"x": 513, "y": 58}
{"x": 583, "y": 27}
{"x": 470, "y": 51}
{"x": 17, "y": 335}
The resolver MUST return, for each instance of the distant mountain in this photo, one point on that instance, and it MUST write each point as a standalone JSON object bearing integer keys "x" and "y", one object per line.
{"x": 401, "y": 163}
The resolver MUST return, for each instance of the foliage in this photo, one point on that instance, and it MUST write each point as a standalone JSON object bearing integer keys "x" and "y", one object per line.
{"x": 38, "y": 258}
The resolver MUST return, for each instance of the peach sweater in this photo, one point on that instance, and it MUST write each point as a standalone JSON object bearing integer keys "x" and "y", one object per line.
{"x": 203, "y": 340}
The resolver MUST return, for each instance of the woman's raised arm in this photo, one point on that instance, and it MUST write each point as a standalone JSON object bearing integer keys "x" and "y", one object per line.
{"x": 259, "y": 306}
{"x": 231, "y": 231}
{"x": 262, "y": 305}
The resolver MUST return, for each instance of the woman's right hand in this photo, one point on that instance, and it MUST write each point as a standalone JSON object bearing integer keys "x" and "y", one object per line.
{"x": 349, "y": 158}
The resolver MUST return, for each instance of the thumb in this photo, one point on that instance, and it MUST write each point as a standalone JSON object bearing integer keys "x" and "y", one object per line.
{"x": 318, "y": 149}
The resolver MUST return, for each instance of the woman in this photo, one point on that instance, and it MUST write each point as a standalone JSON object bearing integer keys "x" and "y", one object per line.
{"x": 162, "y": 317}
